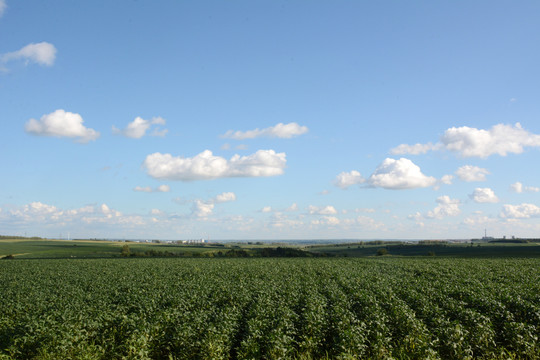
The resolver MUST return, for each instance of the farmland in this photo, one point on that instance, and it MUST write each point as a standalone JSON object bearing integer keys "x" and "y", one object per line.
{"x": 35, "y": 248}
{"x": 309, "y": 308}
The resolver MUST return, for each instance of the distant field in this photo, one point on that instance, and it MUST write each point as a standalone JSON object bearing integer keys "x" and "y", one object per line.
{"x": 41, "y": 248}
{"x": 38, "y": 248}
{"x": 307, "y": 308}
{"x": 482, "y": 250}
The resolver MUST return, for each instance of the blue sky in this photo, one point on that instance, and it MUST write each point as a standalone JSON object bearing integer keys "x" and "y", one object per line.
{"x": 269, "y": 119}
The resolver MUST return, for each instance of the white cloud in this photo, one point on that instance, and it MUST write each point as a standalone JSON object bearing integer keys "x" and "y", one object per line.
{"x": 138, "y": 128}
{"x": 39, "y": 208}
{"x": 293, "y": 207}
{"x": 415, "y": 149}
{"x": 42, "y": 53}
{"x": 327, "y": 210}
{"x": 400, "y": 174}
{"x": 266, "y": 209}
{"x": 416, "y": 217}
{"x": 44, "y": 214}
{"x": 157, "y": 212}
{"x": 205, "y": 208}
{"x": 364, "y": 210}
{"x": 523, "y": 211}
{"x": 202, "y": 209}
{"x": 447, "y": 179}
{"x": 160, "y": 188}
{"x": 472, "y": 173}
{"x": 331, "y": 220}
{"x": 519, "y": 188}
{"x": 143, "y": 189}
{"x": 368, "y": 223}
{"x": 225, "y": 197}
{"x": 346, "y": 179}
{"x": 61, "y": 123}
{"x": 110, "y": 213}
{"x": 477, "y": 220}
{"x": 484, "y": 195}
{"x": 500, "y": 139}
{"x": 471, "y": 142}
{"x": 283, "y": 131}
{"x": 326, "y": 220}
{"x": 163, "y": 188}
{"x": 207, "y": 166}
{"x": 446, "y": 207}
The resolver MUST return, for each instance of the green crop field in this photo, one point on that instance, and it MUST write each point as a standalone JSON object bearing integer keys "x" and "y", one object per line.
{"x": 308, "y": 308}
{"x": 25, "y": 248}
{"x": 457, "y": 250}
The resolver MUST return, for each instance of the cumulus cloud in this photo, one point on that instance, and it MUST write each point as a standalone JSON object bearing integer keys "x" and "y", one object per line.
{"x": 484, "y": 195}
{"x": 225, "y": 197}
{"x": 477, "y": 220}
{"x": 446, "y": 207}
{"x": 38, "y": 212}
{"x": 205, "y": 208}
{"x": 523, "y": 211}
{"x": 500, "y": 139}
{"x": 326, "y": 220}
{"x": 41, "y": 53}
{"x": 207, "y": 166}
{"x": 61, "y": 123}
{"x": 266, "y": 209}
{"x": 346, "y": 179}
{"x": 327, "y": 210}
{"x": 293, "y": 207}
{"x": 202, "y": 209}
{"x": 446, "y": 180}
{"x": 466, "y": 141}
{"x": 415, "y": 149}
{"x": 519, "y": 188}
{"x": 106, "y": 210}
{"x": 161, "y": 188}
{"x": 283, "y": 131}
{"x": 39, "y": 208}
{"x": 157, "y": 212}
{"x": 471, "y": 173}
{"x": 138, "y": 128}
{"x": 400, "y": 174}
{"x": 368, "y": 223}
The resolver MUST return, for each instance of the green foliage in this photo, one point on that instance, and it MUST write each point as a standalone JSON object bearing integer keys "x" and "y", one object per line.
{"x": 382, "y": 251}
{"x": 125, "y": 251}
{"x": 286, "y": 308}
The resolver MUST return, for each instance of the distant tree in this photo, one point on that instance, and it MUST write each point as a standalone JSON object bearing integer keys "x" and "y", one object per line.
{"x": 126, "y": 251}
{"x": 381, "y": 252}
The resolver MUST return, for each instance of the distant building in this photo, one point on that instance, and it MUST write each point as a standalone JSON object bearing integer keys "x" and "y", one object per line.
{"x": 487, "y": 238}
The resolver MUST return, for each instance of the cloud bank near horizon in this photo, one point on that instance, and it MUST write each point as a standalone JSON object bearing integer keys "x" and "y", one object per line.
{"x": 468, "y": 142}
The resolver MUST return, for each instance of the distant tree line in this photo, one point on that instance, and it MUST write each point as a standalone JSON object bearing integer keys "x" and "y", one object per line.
{"x": 3, "y": 237}
{"x": 233, "y": 253}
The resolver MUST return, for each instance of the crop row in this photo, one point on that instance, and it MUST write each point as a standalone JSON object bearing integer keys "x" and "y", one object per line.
{"x": 270, "y": 308}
